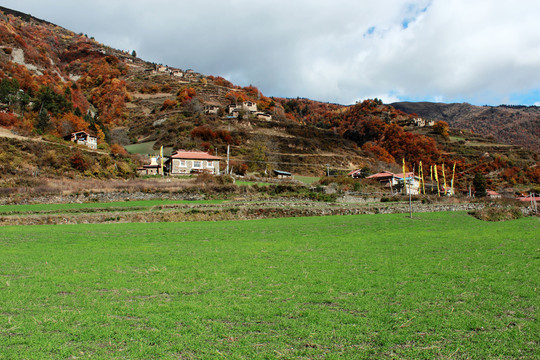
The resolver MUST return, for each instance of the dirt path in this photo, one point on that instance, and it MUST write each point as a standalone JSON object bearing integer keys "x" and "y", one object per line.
{"x": 7, "y": 133}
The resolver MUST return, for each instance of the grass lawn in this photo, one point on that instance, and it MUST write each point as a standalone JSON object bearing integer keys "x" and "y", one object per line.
{"x": 442, "y": 285}
{"x": 147, "y": 149}
{"x": 308, "y": 180}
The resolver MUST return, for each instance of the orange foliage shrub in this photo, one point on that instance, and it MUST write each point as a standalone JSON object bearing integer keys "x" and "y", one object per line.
{"x": 8, "y": 119}
{"x": 206, "y": 145}
{"x": 203, "y": 132}
{"x": 186, "y": 94}
{"x": 168, "y": 104}
{"x": 118, "y": 150}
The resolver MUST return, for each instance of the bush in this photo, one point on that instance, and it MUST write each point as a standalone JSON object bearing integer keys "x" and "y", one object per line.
{"x": 317, "y": 196}
{"x": 344, "y": 182}
{"x": 80, "y": 162}
{"x": 498, "y": 213}
{"x": 8, "y": 119}
{"x": 168, "y": 104}
{"x": 118, "y": 150}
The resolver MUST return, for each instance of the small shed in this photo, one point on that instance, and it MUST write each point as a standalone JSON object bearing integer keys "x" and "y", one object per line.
{"x": 280, "y": 174}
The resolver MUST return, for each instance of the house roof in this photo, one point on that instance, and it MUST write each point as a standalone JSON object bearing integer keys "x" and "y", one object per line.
{"x": 196, "y": 155}
{"x": 388, "y": 175}
{"x": 529, "y": 198}
{"x": 492, "y": 193}
{"x": 83, "y": 132}
{"x": 407, "y": 175}
{"x": 283, "y": 173}
{"x": 78, "y": 134}
{"x": 384, "y": 174}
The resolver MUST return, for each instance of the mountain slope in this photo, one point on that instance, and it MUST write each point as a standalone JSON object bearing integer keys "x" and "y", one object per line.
{"x": 516, "y": 125}
{"x": 54, "y": 82}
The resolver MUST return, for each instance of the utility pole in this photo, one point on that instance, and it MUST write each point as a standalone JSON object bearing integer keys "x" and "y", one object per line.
{"x": 410, "y": 195}
{"x": 228, "y": 150}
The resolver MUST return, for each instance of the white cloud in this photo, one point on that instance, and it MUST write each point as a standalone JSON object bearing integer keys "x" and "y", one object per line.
{"x": 479, "y": 51}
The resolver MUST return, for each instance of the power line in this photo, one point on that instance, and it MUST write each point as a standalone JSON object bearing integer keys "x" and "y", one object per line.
{"x": 277, "y": 163}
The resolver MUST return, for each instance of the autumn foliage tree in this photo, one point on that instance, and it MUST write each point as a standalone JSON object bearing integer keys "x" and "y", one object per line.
{"x": 185, "y": 95}
{"x": 441, "y": 128}
{"x": 70, "y": 123}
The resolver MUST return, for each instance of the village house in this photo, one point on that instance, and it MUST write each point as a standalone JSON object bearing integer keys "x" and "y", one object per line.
{"x": 83, "y": 138}
{"x": 184, "y": 162}
{"x": 162, "y": 68}
{"x": 493, "y": 194}
{"x": 264, "y": 116}
{"x": 405, "y": 183}
{"x": 249, "y": 108}
{"x": 357, "y": 174}
{"x": 211, "y": 109}
{"x": 176, "y": 73}
{"x": 422, "y": 122}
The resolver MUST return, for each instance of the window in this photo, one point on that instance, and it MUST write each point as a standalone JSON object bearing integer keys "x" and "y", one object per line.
{"x": 183, "y": 163}
{"x": 209, "y": 164}
{"x": 197, "y": 164}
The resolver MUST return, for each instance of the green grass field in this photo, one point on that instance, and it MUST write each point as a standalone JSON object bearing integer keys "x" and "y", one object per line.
{"x": 440, "y": 285}
{"x": 308, "y": 180}
{"x": 140, "y": 204}
{"x": 147, "y": 149}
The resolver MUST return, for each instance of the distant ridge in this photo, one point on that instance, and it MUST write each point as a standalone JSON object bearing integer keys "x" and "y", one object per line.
{"x": 517, "y": 125}
{"x": 24, "y": 16}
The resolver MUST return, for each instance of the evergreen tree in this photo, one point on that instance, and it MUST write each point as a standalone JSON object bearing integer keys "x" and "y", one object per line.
{"x": 43, "y": 122}
{"x": 479, "y": 183}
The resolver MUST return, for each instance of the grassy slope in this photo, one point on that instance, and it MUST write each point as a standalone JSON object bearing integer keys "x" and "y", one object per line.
{"x": 442, "y": 285}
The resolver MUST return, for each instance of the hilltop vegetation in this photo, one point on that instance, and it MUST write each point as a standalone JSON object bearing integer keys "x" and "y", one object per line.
{"x": 54, "y": 82}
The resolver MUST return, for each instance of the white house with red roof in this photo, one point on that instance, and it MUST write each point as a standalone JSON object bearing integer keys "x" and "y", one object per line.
{"x": 493, "y": 194}
{"x": 184, "y": 162}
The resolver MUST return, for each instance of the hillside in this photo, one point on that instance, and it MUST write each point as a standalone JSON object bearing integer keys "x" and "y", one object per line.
{"x": 513, "y": 125}
{"x": 54, "y": 82}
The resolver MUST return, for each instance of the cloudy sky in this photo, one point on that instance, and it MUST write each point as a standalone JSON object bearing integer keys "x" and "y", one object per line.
{"x": 342, "y": 51}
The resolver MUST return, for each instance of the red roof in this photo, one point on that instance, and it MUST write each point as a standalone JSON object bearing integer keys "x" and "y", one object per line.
{"x": 529, "y": 198}
{"x": 196, "y": 155}
{"x": 407, "y": 175}
{"x": 384, "y": 174}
